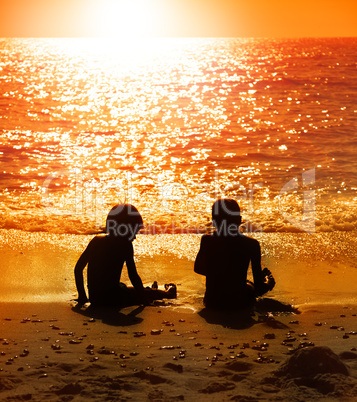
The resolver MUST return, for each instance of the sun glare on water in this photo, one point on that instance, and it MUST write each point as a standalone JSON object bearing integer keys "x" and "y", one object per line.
{"x": 123, "y": 18}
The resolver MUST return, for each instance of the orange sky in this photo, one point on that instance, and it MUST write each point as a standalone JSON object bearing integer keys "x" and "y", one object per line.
{"x": 215, "y": 18}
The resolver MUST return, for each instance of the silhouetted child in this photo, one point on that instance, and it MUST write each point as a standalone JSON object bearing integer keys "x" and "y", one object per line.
{"x": 224, "y": 259}
{"x": 106, "y": 255}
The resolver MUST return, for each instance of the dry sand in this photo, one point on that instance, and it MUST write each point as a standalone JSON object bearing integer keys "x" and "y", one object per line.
{"x": 54, "y": 352}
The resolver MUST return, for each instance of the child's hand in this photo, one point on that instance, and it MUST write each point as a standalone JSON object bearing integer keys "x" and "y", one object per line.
{"x": 269, "y": 280}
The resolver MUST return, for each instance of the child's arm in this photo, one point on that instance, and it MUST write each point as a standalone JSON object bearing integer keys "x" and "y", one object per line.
{"x": 78, "y": 274}
{"x": 261, "y": 284}
{"x": 257, "y": 270}
{"x": 133, "y": 274}
{"x": 200, "y": 262}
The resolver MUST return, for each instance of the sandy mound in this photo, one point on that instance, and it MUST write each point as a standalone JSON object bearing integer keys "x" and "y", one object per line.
{"x": 308, "y": 362}
{"x": 317, "y": 368}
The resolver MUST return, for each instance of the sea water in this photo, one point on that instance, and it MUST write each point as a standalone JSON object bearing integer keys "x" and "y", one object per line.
{"x": 170, "y": 125}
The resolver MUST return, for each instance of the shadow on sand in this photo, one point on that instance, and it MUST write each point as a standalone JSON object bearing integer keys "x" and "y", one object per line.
{"x": 265, "y": 310}
{"x": 112, "y": 315}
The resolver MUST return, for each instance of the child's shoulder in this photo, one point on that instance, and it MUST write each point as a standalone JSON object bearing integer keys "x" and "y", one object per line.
{"x": 99, "y": 238}
{"x": 212, "y": 238}
{"x": 111, "y": 241}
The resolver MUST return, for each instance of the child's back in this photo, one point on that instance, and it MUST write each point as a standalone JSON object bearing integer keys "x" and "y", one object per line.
{"x": 224, "y": 258}
{"x": 106, "y": 257}
{"x": 226, "y": 261}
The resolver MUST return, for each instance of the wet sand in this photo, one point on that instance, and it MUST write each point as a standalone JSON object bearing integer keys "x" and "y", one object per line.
{"x": 54, "y": 351}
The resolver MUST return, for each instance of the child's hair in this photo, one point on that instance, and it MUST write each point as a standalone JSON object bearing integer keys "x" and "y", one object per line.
{"x": 226, "y": 215}
{"x": 124, "y": 220}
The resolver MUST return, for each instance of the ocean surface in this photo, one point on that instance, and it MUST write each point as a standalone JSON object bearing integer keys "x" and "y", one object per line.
{"x": 170, "y": 125}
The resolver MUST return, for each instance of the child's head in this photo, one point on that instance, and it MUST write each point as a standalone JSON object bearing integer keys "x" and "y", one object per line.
{"x": 124, "y": 221}
{"x": 226, "y": 216}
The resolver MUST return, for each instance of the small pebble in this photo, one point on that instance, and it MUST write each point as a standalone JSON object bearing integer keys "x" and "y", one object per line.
{"x": 24, "y": 353}
{"x": 306, "y": 344}
{"x": 74, "y": 342}
{"x": 269, "y": 336}
{"x": 182, "y": 354}
{"x": 240, "y": 355}
{"x": 106, "y": 352}
{"x": 138, "y": 334}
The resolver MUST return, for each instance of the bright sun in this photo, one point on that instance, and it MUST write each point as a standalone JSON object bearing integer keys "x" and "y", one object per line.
{"x": 124, "y": 18}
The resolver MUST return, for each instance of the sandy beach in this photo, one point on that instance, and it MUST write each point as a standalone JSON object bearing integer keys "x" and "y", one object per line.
{"x": 54, "y": 351}
{"x": 51, "y": 350}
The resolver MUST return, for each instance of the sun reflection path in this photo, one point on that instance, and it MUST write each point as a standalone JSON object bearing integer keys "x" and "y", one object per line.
{"x": 196, "y": 117}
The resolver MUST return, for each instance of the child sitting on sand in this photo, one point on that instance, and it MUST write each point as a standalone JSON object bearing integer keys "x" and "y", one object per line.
{"x": 105, "y": 256}
{"x": 224, "y": 258}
